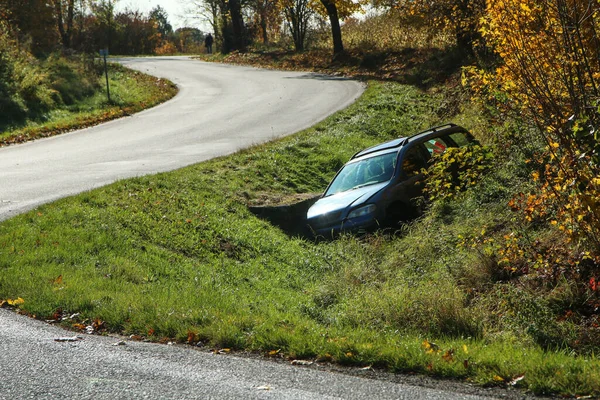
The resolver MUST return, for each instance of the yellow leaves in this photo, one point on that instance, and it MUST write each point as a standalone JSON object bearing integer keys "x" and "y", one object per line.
{"x": 273, "y": 353}
{"x": 12, "y": 302}
{"x": 448, "y": 356}
{"x": 430, "y": 347}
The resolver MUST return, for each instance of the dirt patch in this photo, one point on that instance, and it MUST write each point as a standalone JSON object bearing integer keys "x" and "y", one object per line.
{"x": 288, "y": 212}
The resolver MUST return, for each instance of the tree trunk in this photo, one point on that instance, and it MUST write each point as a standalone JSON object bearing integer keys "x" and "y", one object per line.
{"x": 336, "y": 31}
{"x": 65, "y": 33}
{"x": 237, "y": 25}
{"x": 263, "y": 26}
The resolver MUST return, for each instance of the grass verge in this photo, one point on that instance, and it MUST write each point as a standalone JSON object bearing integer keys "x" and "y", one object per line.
{"x": 131, "y": 91}
{"x": 179, "y": 256}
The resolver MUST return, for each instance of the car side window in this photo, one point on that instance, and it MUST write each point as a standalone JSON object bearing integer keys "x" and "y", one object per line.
{"x": 413, "y": 161}
{"x": 436, "y": 146}
{"x": 460, "y": 139}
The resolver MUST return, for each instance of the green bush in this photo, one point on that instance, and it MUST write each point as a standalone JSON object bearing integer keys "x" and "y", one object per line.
{"x": 72, "y": 79}
{"x": 24, "y": 85}
{"x": 9, "y": 105}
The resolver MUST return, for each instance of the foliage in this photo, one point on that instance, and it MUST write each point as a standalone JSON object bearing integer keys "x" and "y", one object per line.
{"x": 166, "y": 48}
{"x": 159, "y": 16}
{"x": 33, "y": 26}
{"x": 84, "y": 104}
{"x": 267, "y": 18}
{"x": 64, "y": 14}
{"x": 391, "y": 31}
{"x": 462, "y": 18}
{"x": 24, "y": 85}
{"x": 549, "y": 74}
{"x": 297, "y": 15}
{"x": 456, "y": 170}
{"x": 189, "y": 40}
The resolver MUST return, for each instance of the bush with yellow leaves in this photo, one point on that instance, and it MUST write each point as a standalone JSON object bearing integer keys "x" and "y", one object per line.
{"x": 550, "y": 75}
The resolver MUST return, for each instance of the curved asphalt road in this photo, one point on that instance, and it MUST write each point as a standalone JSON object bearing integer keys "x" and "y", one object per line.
{"x": 219, "y": 110}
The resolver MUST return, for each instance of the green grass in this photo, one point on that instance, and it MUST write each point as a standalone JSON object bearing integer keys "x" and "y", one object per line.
{"x": 178, "y": 256}
{"x": 131, "y": 91}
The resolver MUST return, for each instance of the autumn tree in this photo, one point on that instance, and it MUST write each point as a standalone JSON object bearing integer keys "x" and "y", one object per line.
{"x": 33, "y": 22}
{"x": 461, "y": 17}
{"x": 64, "y": 12}
{"x": 135, "y": 33}
{"x": 208, "y": 11}
{"x": 266, "y": 16}
{"x": 237, "y": 25}
{"x": 227, "y": 19}
{"x": 297, "y": 15}
{"x": 335, "y": 10}
{"x": 188, "y": 39}
{"x": 161, "y": 18}
{"x": 550, "y": 73}
{"x": 104, "y": 11}
{"x": 331, "y": 9}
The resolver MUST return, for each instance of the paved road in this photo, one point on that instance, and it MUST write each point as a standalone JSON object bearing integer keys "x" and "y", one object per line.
{"x": 219, "y": 110}
{"x": 36, "y": 366}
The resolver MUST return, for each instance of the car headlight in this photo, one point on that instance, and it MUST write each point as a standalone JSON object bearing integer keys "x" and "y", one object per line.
{"x": 362, "y": 211}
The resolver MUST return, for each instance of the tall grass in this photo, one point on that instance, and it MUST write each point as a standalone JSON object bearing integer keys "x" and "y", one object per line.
{"x": 391, "y": 32}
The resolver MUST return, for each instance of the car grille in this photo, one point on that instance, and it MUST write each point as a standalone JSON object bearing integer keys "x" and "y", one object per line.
{"x": 327, "y": 219}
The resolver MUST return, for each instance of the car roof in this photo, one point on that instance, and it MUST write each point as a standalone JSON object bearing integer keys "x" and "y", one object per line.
{"x": 398, "y": 143}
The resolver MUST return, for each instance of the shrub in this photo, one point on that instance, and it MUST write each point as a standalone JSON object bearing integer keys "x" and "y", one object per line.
{"x": 456, "y": 170}
{"x": 24, "y": 85}
{"x": 165, "y": 49}
{"x": 70, "y": 79}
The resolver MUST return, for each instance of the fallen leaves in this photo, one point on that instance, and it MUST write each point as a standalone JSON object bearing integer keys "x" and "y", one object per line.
{"x": 274, "y": 353}
{"x": 430, "y": 347}
{"x": 12, "y": 302}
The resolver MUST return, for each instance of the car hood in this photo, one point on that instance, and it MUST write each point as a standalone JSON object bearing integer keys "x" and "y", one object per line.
{"x": 344, "y": 200}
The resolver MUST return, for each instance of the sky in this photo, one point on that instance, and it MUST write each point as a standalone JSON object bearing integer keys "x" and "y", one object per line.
{"x": 174, "y": 8}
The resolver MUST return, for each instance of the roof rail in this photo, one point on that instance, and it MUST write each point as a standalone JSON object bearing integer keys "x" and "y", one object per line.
{"x": 390, "y": 144}
{"x": 437, "y": 128}
{"x": 400, "y": 141}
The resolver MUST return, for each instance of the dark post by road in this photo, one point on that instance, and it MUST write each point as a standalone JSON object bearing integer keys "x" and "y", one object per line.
{"x": 104, "y": 53}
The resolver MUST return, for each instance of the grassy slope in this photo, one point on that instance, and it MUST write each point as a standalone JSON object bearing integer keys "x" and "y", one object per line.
{"x": 131, "y": 91}
{"x": 179, "y": 256}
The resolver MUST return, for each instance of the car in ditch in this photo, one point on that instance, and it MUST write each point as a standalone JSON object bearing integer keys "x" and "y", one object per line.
{"x": 378, "y": 186}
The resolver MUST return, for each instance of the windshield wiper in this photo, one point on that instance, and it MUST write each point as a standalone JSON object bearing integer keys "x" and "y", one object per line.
{"x": 364, "y": 184}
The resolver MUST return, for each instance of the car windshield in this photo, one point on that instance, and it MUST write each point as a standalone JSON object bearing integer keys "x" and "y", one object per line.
{"x": 367, "y": 171}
